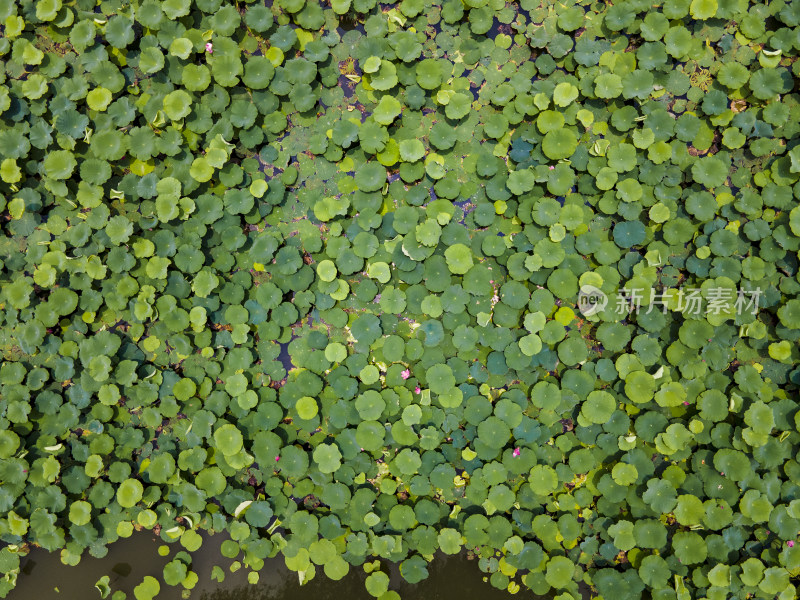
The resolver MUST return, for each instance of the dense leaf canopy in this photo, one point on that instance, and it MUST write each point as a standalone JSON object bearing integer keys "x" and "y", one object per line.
{"x": 311, "y": 273}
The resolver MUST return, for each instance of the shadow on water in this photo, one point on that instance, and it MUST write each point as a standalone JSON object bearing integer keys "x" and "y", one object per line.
{"x": 44, "y": 577}
{"x": 285, "y": 358}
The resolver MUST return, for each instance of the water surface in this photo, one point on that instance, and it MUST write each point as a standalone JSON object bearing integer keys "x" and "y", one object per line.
{"x": 44, "y": 577}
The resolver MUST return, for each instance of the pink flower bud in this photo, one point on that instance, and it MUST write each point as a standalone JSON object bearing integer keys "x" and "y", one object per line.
{"x": 790, "y": 543}
{"x": 516, "y": 452}
{"x": 417, "y": 389}
{"x": 277, "y": 458}
{"x": 406, "y": 374}
{"x": 209, "y": 48}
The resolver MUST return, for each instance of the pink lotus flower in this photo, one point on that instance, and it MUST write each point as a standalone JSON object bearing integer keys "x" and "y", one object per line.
{"x": 790, "y": 543}
{"x": 277, "y": 458}
{"x": 417, "y": 389}
{"x": 552, "y": 168}
{"x": 516, "y": 452}
{"x": 406, "y": 374}
{"x": 209, "y": 48}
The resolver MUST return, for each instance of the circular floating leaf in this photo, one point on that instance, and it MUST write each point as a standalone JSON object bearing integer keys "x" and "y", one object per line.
{"x": 228, "y": 439}
{"x": 328, "y": 458}
{"x": 559, "y": 144}
{"x": 307, "y": 407}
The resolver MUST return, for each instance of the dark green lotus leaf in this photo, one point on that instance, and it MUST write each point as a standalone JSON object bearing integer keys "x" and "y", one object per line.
{"x": 654, "y": 572}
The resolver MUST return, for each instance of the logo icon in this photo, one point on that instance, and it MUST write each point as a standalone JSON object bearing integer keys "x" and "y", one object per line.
{"x": 591, "y": 300}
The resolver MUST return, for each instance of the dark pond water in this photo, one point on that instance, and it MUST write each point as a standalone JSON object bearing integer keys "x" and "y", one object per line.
{"x": 43, "y": 577}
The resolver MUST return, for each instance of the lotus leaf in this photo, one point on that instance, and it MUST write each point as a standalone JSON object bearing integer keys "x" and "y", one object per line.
{"x": 559, "y": 144}
{"x": 327, "y": 457}
{"x": 228, "y": 439}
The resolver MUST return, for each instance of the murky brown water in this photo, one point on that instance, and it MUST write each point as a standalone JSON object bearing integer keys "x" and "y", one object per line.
{"x": 44, "y": 577}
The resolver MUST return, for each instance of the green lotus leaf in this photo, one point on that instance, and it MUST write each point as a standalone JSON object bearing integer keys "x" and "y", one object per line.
{"x": 119, "y": 31}
{"x": 129, "y": 493}
{"x": 543, "y": 480}
{"x": 689, "y": 510}
{"x": 689, "y": 547}
{"x": 414, "y": 569}
{"x": 196, "y": 78}
{"x": 386, "y": 77}
{"x": 572, "y": 351}
{"x": 328, "y": 458}
{"x": 411, "y": 150}
{"x": 60, "y": 164}
{"x": 148, "y": 589}
{"x": 211, "y": 480}
{"x": 760, "y": 417}
{"x": 521, "y": 181}
{"x": 733, "y": 75}
{"x": 9, "y": 442}
{"x": 387, "y": 110}
{"x": 428, "y": 232}
{"x": 629, "y": 190}
{"x": 622, "y": 533}
{"x": 710, "y": 172}
{"x": 371, "y": 177}
{"x": 629, "y": 234}
{"x": 228, "y": 439}
{"x": 377, "y": 584}
{"x": 98, "y": 99}
{"x": 678, "y": 41}
{"x": 703, "y": 9}
{"x": 496, "y": 126}
{"x": 370, "y": 405}
{"x": 560, "y": 571}
{"x": 654, "y": 571}
{"x": 549, "y": 120}
{"x": 372, "y": 137}
{"x": 598, "y": 407}
{"x": 458, "y": 106}
{"x": 450, "y": 541}
{"x": 440, "y": 379}
{"x": 789, "y": 314}
{"x": 80, "y": 512}
{"x": 46, "y": 10}
{"x": 768, "y": 83}
{"x": 608, "y": 85}
{"x": 407, "y": 461}
{"x": 564, "y": 93}
{"x": 559, "y": 144}
{"x": 174, "y": 572}
{"x": 650, "y": 533}
{"x": 660, "y": 495}
{"x": 429, "y": 74}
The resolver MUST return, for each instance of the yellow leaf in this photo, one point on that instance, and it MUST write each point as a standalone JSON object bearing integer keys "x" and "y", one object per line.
{"x": 140, "y": 168}
{"x": 303, "y": 37}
